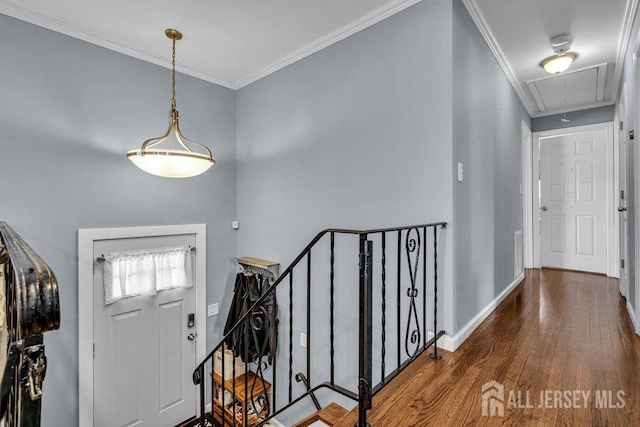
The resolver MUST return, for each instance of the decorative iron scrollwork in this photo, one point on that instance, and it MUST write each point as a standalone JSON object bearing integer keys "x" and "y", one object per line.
{"x": 261, "y": 335}
{"x": 36, "y": 369}
{"x": 413, "y": 334}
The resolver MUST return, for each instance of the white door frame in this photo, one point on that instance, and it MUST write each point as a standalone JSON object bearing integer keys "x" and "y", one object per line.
{"x": 612, "y": 263}
{"x": 86, "y": 238}
{"x": 619, "y": 138}
{"x": 527, "y": 195}
{"x": 636, "y": 204}
{"x": 616, "y": 184}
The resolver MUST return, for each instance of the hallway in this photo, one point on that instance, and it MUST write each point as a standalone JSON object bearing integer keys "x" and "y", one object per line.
{"x": 558, "y": 332}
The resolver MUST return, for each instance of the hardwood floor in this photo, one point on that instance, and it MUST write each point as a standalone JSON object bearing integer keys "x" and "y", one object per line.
{"x": 559, "y": 331}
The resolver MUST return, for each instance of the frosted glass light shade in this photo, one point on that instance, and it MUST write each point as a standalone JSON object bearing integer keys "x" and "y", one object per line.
{"x": 171, "y": 163}
{"x": 558, "y": 63}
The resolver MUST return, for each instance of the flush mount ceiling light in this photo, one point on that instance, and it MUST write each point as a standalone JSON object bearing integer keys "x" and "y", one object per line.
{"x": 179, "y": 160}
{"x": 562, "y": 58}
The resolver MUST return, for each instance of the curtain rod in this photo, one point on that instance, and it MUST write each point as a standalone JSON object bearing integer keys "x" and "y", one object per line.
{"x": 101, "y": 258}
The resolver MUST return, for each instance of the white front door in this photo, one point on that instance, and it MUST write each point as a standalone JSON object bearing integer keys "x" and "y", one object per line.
{"x": 573, "y": 202}
{"x": 144, "y": 348}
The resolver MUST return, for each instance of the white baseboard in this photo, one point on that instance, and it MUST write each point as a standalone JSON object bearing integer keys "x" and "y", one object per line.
{"x": 451, "y": 343}
{"x": 632, "y": 316}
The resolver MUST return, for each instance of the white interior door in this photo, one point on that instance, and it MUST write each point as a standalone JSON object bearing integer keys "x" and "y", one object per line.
{"x": 573, "y": 202}
{"x": 144, "y": 348}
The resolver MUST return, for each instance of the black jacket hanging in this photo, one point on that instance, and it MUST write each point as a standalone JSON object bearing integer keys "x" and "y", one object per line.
{"x": 256, "y": 336}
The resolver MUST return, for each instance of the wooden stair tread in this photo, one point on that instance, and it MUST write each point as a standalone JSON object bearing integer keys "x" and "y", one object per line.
{"x": 330, "y": 415}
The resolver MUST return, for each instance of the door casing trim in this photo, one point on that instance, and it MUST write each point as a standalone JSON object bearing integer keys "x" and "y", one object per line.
{"x": 86, "y": 237}
{"x": 609, "y": 193}
{"x": 636, "y": 164}
{"x": 527, "y": 195}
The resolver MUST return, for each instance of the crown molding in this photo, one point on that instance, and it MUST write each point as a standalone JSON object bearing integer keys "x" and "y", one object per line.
{"x": 527, "y": 100}
{"x": 92, "y": 37}
{"x": 366, "y": 21}
{"x": 561, "y": 111}
{"x": 487, "y": 34}
{"x": 623, "y": 44}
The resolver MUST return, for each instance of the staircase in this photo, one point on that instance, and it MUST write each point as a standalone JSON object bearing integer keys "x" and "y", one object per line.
{"x": 329, "y": 416}
{"x": 339, "y": 273}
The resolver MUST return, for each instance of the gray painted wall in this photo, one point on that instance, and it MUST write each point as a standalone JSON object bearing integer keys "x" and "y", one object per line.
{"x": 365, "y": 133}
{"x": 578, "y": 118}
{"x": 357, "y": 135}
{"x": 69, "y": 113}
{"x": 487, "y": 116}
{"x": 627, "y": 77}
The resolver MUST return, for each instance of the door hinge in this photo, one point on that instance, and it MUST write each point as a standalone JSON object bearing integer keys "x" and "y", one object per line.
{"x": 621, "y": 194}
{"x": 94, "y": 350}
{"x": 621, "y": 263}
{"x": 621, "y": 125}
{"x": 631, "y": 134}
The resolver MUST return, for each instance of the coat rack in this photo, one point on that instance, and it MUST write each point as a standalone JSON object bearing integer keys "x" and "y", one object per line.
{"x": 257, "y": 266}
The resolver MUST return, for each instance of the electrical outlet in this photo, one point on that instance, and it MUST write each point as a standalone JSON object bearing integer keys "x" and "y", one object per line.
{"x": 212, "y": 309}
{"x": 235, "y": 225}
{"x": 303, "y": 340}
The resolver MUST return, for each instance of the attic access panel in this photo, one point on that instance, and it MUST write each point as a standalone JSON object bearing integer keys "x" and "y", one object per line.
{"x": 583, "y": 87}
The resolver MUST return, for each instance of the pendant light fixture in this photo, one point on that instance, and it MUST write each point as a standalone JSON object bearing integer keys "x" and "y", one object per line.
{"x": 562, "y": 58}
{"x": 179, "y": 160}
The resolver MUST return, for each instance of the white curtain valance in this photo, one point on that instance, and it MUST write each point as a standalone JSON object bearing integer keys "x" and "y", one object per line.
{"x": 146, "y": 272}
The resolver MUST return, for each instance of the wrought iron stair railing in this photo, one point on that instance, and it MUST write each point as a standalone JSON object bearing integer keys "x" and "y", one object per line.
{"x": 402, "y": 281}
{"x": 29, "y": 306}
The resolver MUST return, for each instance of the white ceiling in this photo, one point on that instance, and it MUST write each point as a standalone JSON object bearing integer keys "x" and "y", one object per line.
{"x": 236, "y": 42}
{"x": 228, "y": 42}
{"x": 519, "y": 33}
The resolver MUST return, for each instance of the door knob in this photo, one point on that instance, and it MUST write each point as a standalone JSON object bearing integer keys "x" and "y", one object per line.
{"x": 191, "y": 337}
{"x": 544, "y": 209}
{"x": 621, "y": 209}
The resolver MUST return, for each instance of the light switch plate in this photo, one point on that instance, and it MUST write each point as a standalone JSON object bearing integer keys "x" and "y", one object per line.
{"x": 235, "y": 225}
{"x": 303, "y": 340}
{"x": 460, "y": 172}
{"x": 212, "y": 309}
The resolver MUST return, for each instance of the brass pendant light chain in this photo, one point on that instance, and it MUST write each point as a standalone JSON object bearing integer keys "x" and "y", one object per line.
{"x": 173, "y": 75}
{"x": 173, "y": 35}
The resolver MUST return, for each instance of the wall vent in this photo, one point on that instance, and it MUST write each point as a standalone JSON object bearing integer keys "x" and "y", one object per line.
{"x": 518, "y": 268}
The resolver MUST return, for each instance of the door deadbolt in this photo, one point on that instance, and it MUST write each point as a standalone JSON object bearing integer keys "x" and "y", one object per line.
{"x": 191, "y": 320}
{"x": 544, "y": 209}
{"x": 191, "y": 337}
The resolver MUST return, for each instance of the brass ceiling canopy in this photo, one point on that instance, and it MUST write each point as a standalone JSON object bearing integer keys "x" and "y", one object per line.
{"x": 173, "y": 34}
